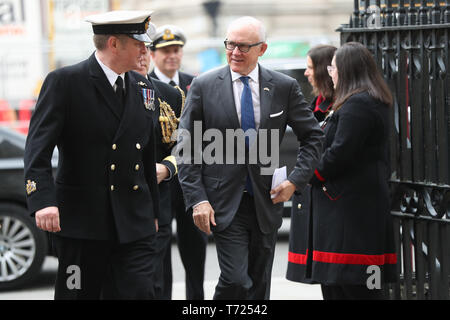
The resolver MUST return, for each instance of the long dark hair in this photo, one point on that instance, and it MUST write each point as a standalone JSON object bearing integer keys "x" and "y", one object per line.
{"x": 321, "y": 57}
{"x": 357, "y": 72}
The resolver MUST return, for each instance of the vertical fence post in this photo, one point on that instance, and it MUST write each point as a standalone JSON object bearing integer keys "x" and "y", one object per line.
{"x": 412, "y": 13}
{"x": 419, "y": 253}
{"x": 356, "y": 14}
{"x": 401, "y": 13}
{"x": 436, "y": 13}
{"x": 389, "y": 13}
{"x": 447, "y": 12}
{"x": 433, "y": 267}
{"x": 423, "y": 14}
{"x": 444, "y": 231}
{"x": 407, "y": 228}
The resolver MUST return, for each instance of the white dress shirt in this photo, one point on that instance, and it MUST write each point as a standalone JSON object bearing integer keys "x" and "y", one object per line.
{"x": 238, "y": 87}
{"x": 161, "y": 76}
{"x": 111, "y": 75}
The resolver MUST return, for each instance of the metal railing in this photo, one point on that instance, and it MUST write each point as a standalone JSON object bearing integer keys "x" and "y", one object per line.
{"x": 410, "y": 43}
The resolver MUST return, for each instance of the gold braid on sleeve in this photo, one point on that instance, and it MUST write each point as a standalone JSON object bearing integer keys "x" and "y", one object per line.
{"x": 168, "y": 121}
{"x": 183, "y": 99}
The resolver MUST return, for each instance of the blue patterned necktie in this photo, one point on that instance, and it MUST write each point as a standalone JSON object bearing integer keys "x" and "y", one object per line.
{"x": 247, "y": 120}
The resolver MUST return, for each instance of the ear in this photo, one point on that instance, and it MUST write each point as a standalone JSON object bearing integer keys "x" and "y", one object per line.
{"x": 113, "y": 42}
{"x": 263, "y": 49}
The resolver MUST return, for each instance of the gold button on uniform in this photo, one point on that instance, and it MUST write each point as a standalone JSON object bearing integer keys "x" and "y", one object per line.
{"x": 113, "y": 167}
{"x": 138, "y": 146}
{"x": 135, "y": 187}
{"x": 112, "y": 187}
{"x": 136, "y": 167}
{"x": 299, "y": 206}
{"x": 114, "y": 146}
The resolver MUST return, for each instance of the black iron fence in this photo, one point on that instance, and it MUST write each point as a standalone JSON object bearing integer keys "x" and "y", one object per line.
{"x": 410, "y": 42}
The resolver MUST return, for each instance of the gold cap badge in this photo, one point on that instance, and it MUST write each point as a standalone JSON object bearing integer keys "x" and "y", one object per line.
{"x": 168, "y": 35}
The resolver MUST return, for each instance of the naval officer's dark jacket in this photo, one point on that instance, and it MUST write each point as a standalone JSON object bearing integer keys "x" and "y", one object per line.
{"x": 105, "y": 185}
{"x": 173, "y": 98}
{"x": 184, "y": 78}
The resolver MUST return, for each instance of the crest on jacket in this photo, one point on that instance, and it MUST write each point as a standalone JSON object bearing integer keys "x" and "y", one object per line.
{"x": 30, "y": 187}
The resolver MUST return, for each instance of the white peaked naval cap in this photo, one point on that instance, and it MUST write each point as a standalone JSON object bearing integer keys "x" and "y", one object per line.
{"x": 131, "y": 23}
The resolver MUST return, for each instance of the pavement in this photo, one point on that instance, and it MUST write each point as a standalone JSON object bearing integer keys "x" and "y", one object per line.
{"x": 282, "y": 289}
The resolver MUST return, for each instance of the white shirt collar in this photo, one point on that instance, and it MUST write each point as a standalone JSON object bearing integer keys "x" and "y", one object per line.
{"x": 161, "y": 76}
{"x": 111, "y": 75}
{"x": 253, "y": 75}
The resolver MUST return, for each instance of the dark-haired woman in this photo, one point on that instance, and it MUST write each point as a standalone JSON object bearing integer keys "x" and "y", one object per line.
{"x": 317, "y": 61}
{"x": 353, "y": 251}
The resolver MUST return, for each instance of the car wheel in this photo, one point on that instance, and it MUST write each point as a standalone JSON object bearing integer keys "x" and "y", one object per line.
{"x": 23, "y": 246}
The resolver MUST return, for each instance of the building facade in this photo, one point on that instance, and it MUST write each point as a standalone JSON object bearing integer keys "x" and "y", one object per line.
{"x": 292, "y": 26}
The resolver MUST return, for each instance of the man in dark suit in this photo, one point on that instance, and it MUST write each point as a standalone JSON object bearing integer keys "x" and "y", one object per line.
{"x": 230, "y": 196}
{"x": 167, "y": 53}
{"x": 103, "y": 204}
{"x": 166, "y": 115}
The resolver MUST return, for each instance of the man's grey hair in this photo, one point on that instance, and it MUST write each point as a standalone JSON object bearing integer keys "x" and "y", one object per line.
{"x": 249, "y": 21}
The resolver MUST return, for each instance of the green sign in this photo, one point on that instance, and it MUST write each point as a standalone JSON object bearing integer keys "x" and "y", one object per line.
{"x": 286, "y": 49}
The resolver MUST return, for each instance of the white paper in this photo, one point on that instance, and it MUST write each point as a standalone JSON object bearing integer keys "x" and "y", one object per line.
{"x": 279, "y": 175}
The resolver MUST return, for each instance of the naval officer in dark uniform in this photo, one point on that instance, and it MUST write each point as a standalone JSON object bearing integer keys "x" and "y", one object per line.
{"x": 168, "y": 107}
{"x": 103, "y": 203}
{"x": 167, "y": 54}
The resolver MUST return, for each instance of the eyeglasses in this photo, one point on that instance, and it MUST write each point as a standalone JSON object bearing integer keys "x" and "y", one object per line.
{"x": 331, "y": 69}
{"x": 230, "y": 45}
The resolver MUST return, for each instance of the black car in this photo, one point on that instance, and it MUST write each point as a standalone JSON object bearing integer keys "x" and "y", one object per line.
{"x": 23, "y": 247}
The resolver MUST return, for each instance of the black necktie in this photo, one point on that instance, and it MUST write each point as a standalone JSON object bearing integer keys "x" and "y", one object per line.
{"x": 119, "y": 89}
{"x": 172, "y": 83}
{"x": 120, "y": 93}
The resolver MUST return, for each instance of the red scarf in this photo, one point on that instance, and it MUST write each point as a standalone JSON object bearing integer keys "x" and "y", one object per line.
{"x": 319, "y": 101}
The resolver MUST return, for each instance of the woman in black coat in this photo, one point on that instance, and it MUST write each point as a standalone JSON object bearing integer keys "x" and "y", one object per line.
{"x": 317, "y": 61}
{"x": 352, "y": 249}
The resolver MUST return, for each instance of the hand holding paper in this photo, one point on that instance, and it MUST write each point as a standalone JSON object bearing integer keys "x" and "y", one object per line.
{"x": 279, "y": 175}
{"x": 282, "y": 189}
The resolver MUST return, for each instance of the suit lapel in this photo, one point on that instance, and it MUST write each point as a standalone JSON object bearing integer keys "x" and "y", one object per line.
{"x": 153, "y": 75}
{"x": 266, "y": 92}
{"x": 104, "y": 87}
{"x": 224, "y": 85}
{"x": 183, "y": 83}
